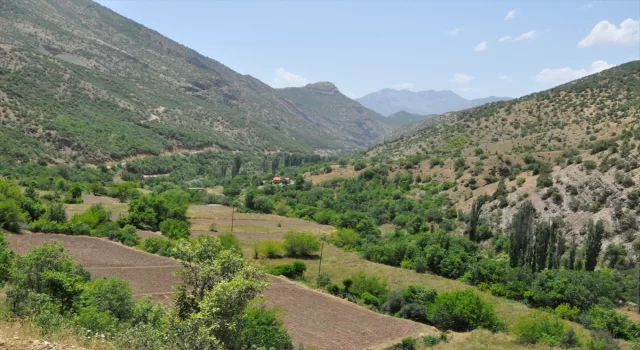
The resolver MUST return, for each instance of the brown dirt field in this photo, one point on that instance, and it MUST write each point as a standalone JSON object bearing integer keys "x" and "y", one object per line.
{"x": 312, "y": 317}
{"x": 336, "y": 323}
{"x": 91, "y": 199}
{"x": 149, "y": 234}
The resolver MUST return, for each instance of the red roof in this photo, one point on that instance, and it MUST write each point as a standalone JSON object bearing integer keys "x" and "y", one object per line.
{"x": 277, "y": 178}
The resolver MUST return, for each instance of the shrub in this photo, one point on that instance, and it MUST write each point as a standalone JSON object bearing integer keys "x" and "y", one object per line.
{"x": 56, "y": 213}
{"x": 293, "y": 271}
{"x": 271, "y": 249}
{"x": 361, "y": 283}
{"x": 263, "y": 329}
{"x": 540, "y": 327}
{"x": 128, "y": 235}
{"x": 323, "y": 280}
{"x": 300, "y": 244}
{"x": 175, "y": 229}
{"x": 430, "y": 340}
{"x": 333, "y": 289}
{"x": 230, "y": 241}
{"x": 160, "y": 246}
{"x": 345, "y": 238}
{"x": 463, "y": 311}
{"x": 111, "y": 295}
{"x": 414, "y": 311}
{"x": 408, "y": 343}
{"x": 567, "y": 312}
{"x": 6, "y": 259}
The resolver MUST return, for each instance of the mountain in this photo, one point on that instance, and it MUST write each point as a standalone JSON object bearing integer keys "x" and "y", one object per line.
{"x": 571, "y": 150}
{"x": 389, "y": 101}
{"x": 322, "y": 104}
{"x": 78, "y": 82}
{"x": 403, "y": 118}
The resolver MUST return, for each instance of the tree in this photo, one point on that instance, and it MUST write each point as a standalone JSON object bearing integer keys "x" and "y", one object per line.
{"x": 593, "y": 244}
{"x": 615, "y": 254}
{"x": 237, "y": 164}
{"x": 217, "y": 285}
{"x": 6, "y": 259}
{"x": 474, "y": 217}
{"x": 300, "y": 243}
{"x": 522, "y": 231}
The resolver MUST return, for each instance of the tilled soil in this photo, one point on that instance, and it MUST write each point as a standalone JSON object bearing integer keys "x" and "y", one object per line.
{"x": 312, "y": 318}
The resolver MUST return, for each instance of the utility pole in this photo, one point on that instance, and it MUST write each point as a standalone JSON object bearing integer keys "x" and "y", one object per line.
{"x": 233, "y": 209}
{"x": 320, "y": 264}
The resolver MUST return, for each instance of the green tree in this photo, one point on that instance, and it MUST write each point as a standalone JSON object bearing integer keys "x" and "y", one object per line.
{"x": 175, "y": 229}
{"x": 217, "y": 285}
{"x": 263, "y": 329}
{"x": 474, "y": 217}
{"x": 6, "y": 259}
{"x": 300, "y": 243}
{"x": 593, "y": 243}
{"x": 522, "y": 232}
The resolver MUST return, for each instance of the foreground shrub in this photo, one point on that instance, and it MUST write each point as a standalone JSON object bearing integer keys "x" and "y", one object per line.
{"x": 300, "y": 244}
{"x": 230, "y": 241}
{"x": 293, "y": 271}
{"x": 463, "y": 311}
{"x": 263, "y": 329}
{"x": 540, "y": 327}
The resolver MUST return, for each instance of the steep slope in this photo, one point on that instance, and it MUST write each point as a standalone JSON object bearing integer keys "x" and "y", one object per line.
{"x": 324, "y": 105}
{"x": 403, "y": 118}
{"x": 573, "y": 151}
{"x": 80, "y": 82}
{"x": 389, "y": 101}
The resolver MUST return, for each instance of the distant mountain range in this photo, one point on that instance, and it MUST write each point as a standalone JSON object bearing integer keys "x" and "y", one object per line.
{"x": 390, "y": 101}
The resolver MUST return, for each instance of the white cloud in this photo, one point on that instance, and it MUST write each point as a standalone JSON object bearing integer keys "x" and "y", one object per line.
{"x": 505, "y": 77}
{"x": 403, "y": 86}
{"x": 527, "y": 36}
{"x": 461, "y": 78}
{"x": 468, "y": 89}
{"x": 505, "y": 38}
{"x": 287, "y": 79}
{"x": 481, "y": 47}
{"x": 563, "y": 75}
{"x": 510, "y": 15}
{"x": 607, "y": 34}
{"x": 455, "y": 31}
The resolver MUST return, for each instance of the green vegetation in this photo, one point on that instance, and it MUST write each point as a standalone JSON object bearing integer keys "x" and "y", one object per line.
{"x": 47, "y": 287}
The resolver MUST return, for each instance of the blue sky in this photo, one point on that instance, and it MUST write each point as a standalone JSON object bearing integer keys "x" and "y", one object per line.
{"x": 474, "y": 48}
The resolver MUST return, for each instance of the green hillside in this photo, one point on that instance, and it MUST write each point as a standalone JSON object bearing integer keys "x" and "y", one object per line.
{"x": 86, "y": 84}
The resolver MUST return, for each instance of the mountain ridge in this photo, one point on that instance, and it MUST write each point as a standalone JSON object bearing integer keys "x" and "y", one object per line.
{"x": 389, "y": 101}
{"x": 88, "y": 85}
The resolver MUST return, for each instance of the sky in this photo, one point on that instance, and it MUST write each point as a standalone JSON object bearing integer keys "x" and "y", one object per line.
{"x": 473, "y": 48}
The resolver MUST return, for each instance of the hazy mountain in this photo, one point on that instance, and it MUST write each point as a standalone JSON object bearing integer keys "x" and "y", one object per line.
{"x": 403, "y": 118}
{"x": 80, "y": 82}
{"x": 389, "y": 101}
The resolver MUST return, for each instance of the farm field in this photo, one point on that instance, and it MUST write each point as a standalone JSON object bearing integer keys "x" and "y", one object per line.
{"x": 336, "y": 323}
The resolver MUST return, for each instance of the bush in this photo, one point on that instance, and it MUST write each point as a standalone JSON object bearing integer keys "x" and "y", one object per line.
{"x": 567, "y": 312}
{"x": 361, "y": 283}
{"x": 323, "y": 280}
{"x": 408, "y": 343}
{"x": 128, "y": 235}
{"x": 414, "y": 311}
{"x": 540, "y": 327}
{"x": 271, "y": 249}
{"x": 263, "y": 329}
{"x": 463, "y": 311}
{"x": 160, "y": 246}
{"x": 175, "y": 229}
{"x": 56, "y": 213}
{"x": 369, "y": 299}
{"x": 111, "y": 295}
{"x": 294, "y": 270}
{"x": 333, "y": 289}
{"x": 6, "y": 259}
{"x": 430, "y": 340}
{"x": 345, "y": 238}
{"x": 230, "y": 241}
{"x": 300, "y": 244}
